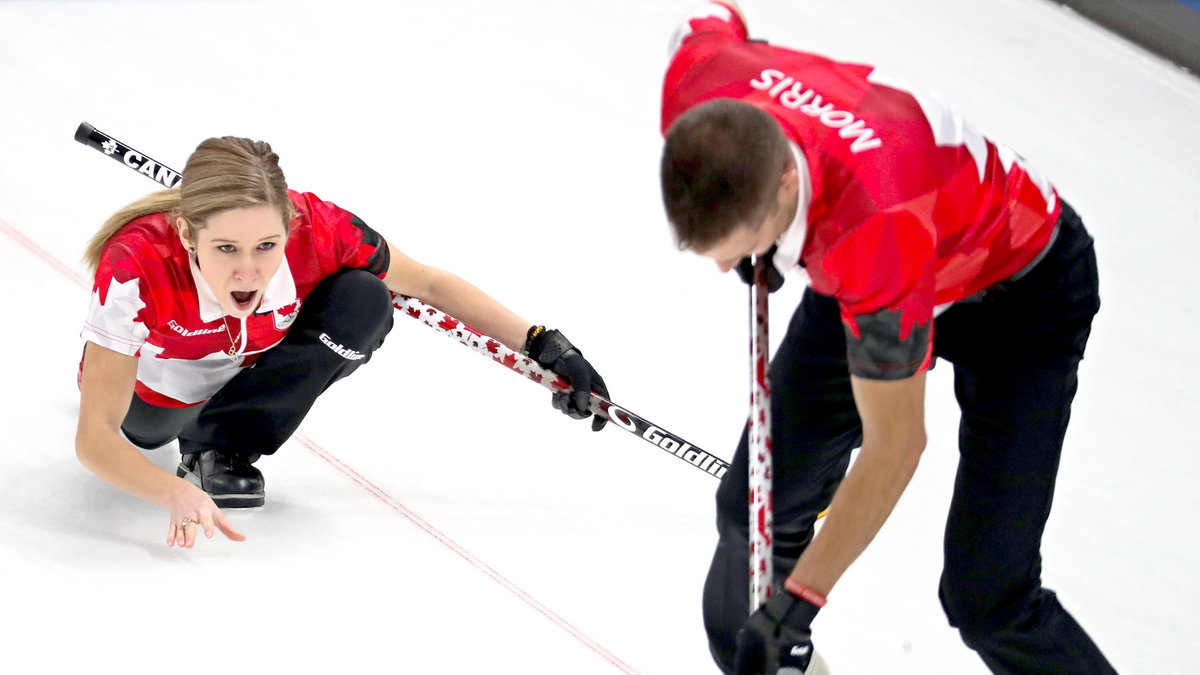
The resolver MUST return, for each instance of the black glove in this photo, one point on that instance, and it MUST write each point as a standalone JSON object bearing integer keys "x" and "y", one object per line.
{"x": 774, "y": 277}
{"x": 554, "y": 351}
{"x": 777, "y": 636}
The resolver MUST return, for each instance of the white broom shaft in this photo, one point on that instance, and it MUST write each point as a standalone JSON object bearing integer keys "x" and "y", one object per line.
{"x": 759, "y": 464}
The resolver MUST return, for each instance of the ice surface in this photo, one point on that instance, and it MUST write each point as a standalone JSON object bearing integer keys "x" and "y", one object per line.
{"x": 436, "y": 516}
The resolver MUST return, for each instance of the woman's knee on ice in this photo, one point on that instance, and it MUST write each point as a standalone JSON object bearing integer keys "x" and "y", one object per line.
{"x": 350, "y": 313}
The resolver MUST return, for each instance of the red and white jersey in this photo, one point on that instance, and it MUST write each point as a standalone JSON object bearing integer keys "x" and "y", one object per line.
{"x": 908, "y": 208}
{"x": 150, "y": 300}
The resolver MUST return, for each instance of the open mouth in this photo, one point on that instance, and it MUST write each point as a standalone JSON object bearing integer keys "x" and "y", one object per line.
{"x": 243, "y": 300}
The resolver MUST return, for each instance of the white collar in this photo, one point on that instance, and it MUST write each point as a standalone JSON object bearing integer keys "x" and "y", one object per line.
{"x": 280, "y": 292}
{"x": 791, "y": 242}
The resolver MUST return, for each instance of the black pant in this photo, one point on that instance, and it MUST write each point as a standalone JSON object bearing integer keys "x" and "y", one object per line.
{"x": 1015, "y": 349}
{"x": 260, "y": 408}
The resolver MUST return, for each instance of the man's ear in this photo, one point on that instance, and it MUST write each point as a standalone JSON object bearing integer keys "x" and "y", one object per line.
{"x": 791, "y": 177}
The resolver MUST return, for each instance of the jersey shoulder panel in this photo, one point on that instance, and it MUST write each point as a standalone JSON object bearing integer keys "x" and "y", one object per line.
{"x": 336, "y": 238}
{"x": 874, "y": 264}
{"x": 704, "y": 34}
{"x": 134, "y": 285}
{"x": 708, "y": 20}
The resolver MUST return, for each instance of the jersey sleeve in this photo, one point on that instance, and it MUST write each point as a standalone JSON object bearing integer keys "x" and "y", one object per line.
{"x": 363, "y": 248}
{"x": 121, "y": 307}
{"x": 354, "y": 243}
{"x": 709, "y": 19}
{"x": 885, "y": 271}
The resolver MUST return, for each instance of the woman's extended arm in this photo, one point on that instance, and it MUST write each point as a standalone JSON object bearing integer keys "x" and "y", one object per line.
{"x": 105, "y": 391}
{"x": 457, "y": 298}
{"x": 465, "y": 302}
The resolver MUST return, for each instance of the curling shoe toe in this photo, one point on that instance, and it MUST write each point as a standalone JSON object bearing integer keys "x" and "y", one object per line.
{"x": 230, "y": 479}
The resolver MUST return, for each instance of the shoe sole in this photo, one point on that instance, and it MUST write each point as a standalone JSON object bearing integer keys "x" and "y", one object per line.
{"x": 239, "y": 501}
{"x": 225, "y": 501}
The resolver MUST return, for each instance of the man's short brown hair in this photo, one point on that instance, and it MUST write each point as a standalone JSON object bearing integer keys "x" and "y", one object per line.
{"x": 721, "y": 166}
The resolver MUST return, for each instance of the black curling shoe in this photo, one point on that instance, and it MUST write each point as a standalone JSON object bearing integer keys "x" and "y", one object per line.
{"x": 231, "y": 480}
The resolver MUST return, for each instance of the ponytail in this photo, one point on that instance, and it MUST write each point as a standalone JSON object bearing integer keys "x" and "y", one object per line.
{"x": 156, "y": 202}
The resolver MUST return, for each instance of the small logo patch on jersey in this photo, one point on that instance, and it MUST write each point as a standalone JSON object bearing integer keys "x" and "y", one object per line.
{"x": 344, "y": 352}
{"x": 285, "y": 316}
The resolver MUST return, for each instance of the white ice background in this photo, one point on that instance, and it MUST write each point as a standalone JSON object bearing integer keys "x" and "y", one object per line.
{"x": 435, "y": 514}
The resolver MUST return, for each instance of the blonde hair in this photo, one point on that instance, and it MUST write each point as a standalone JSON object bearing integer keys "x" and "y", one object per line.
{"x": 222, "y": 174}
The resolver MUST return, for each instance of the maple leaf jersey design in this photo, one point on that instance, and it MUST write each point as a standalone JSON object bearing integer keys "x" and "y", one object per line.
{"x": 149, "y": 300}
{"x": 905, "y": 208}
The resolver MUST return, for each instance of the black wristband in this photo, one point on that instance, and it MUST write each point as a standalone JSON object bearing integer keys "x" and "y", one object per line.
{"x": 530, "y": 336}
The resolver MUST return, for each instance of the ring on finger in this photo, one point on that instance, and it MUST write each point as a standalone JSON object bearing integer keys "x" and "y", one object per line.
{"x": 186, "y": 521}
